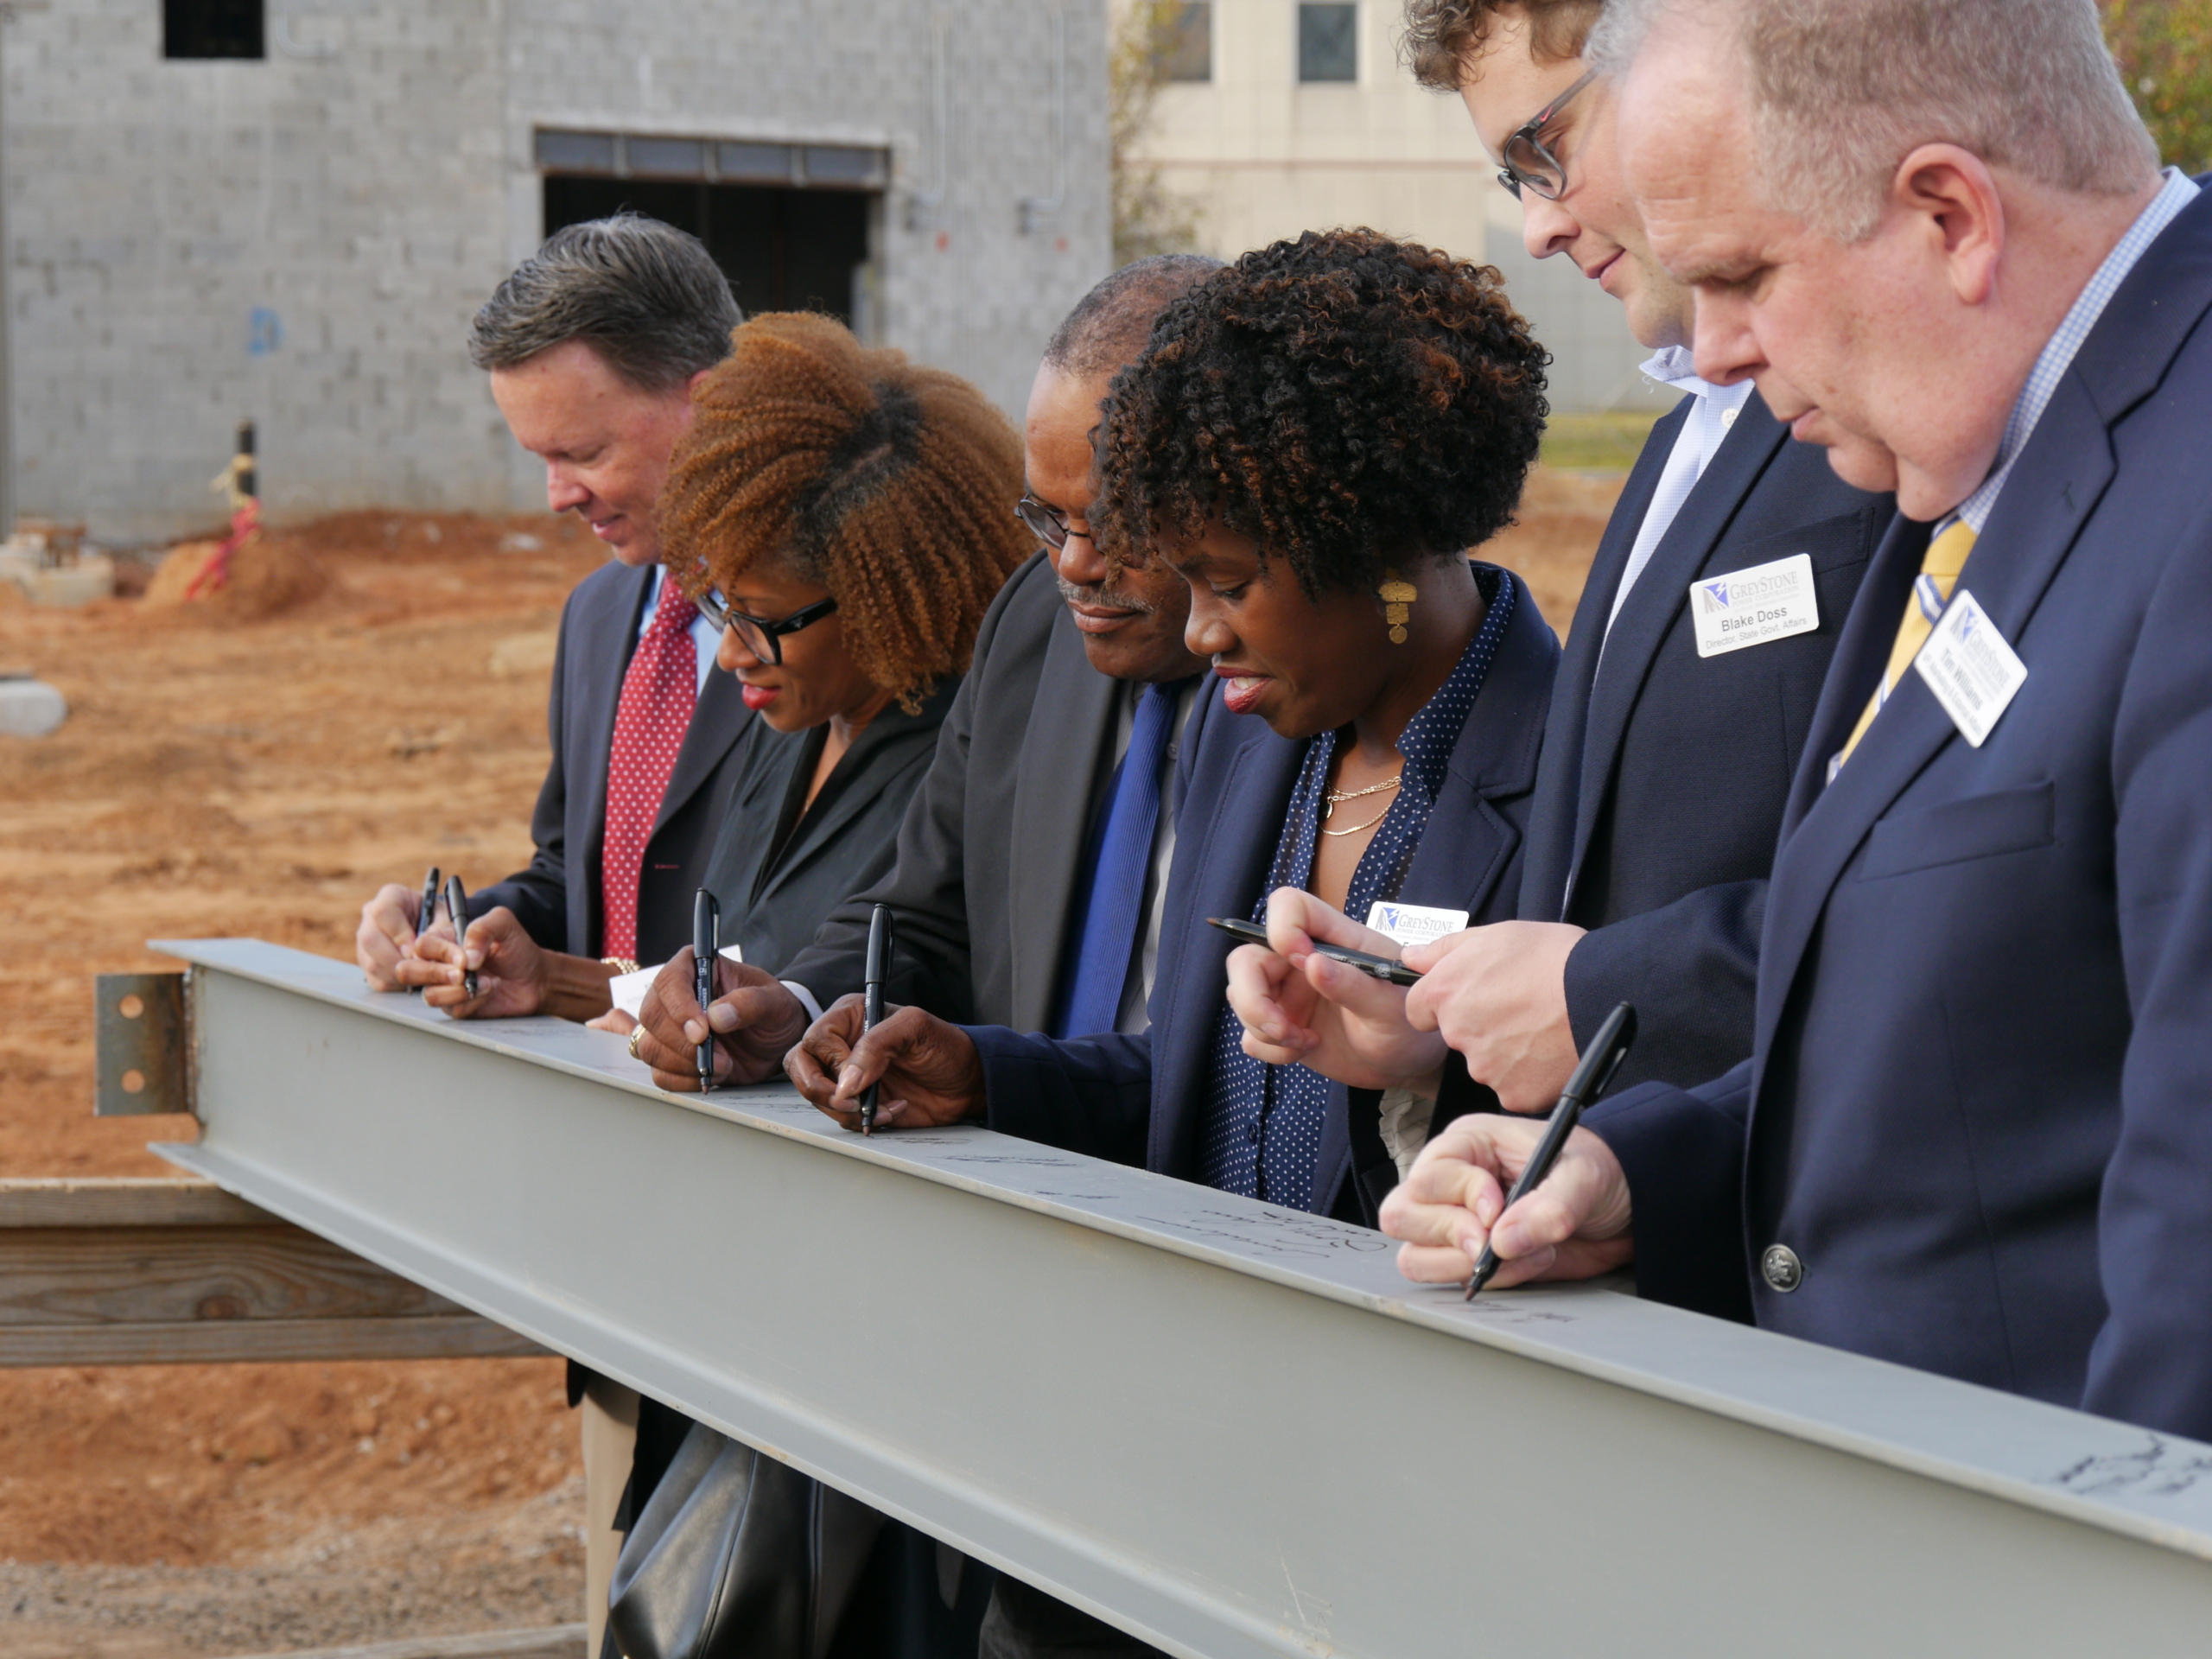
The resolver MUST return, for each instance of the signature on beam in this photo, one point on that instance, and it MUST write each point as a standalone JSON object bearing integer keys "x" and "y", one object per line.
{"x": 1277, "y": 1232}
{"x": 2157, "y": 1470}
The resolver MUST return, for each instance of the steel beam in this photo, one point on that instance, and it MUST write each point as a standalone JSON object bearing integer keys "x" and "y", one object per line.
{"x": 1229, "y": 1428}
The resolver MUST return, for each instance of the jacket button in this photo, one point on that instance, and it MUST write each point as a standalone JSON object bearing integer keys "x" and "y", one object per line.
{"x": 1781, "y": 1269}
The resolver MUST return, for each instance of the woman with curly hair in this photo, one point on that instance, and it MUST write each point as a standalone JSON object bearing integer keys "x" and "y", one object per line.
{"x": 1314, "y": 438}
{"x": 845, "y": 515}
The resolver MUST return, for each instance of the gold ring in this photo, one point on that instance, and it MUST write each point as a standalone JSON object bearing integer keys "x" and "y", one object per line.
{"x": 637, "y": 1036}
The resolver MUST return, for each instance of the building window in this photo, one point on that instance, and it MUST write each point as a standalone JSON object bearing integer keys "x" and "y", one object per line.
{"x": 212, "y": 28}
{"x": 1328, "y": 43}
{"x": 1188, "y": 49}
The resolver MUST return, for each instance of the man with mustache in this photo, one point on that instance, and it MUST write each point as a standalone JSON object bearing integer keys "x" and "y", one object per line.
{"x": 1971, "y": 1135}
{"x": 1006, "y": 911}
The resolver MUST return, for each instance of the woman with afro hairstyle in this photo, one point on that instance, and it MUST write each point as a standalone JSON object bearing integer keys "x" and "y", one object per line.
{"x": 1314, "y": 438}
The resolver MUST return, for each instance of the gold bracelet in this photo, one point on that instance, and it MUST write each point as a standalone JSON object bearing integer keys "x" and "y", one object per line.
{"x": 619, "y": 964}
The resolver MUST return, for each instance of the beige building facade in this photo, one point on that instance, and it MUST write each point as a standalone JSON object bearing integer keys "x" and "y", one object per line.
{"x": 1287, "y": 116}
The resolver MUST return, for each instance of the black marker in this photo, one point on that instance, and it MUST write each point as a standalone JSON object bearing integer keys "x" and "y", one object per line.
{"x": 706, "y": 940}
{"x": 1591, "y": 1079}
{"x": 426, "y": 916}
{"x": 457, "y": 908}
{"x": 879, "y": 934}
{"x": 1373, "y": 966}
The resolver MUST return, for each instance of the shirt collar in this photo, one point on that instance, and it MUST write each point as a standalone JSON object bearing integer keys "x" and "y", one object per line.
{"x": 2059, "y": 352}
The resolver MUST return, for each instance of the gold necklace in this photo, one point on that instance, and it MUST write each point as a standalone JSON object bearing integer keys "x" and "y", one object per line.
{"x": 1337, "y": 797}
{"x": 1354, "y": 830}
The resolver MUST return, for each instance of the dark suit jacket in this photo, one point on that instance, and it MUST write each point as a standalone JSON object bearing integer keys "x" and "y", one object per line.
{"x": 557, "y": 899}
{"x": 1142, "y": 1099}
{"x": 775, "y": 879}
{"x": 1977, "y": 1106}
{"x": 1665, "y": 773}
{"x": 990, "y": 851}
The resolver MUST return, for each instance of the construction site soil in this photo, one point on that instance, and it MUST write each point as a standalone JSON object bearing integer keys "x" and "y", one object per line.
{"x": 364, "y": 695}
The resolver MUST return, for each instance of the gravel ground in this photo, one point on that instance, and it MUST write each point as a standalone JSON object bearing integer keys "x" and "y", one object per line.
{"x": 406, "y": 1577}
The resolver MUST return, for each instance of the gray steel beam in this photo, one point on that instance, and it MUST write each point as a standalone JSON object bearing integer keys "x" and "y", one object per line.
{"x": 1229, "y": 1428}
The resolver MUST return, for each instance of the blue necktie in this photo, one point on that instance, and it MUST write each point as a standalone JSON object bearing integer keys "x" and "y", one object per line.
{"x": 1110, "y": 920}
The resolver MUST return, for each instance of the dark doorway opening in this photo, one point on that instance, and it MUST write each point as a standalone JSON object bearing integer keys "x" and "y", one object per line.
{"x": 783, "y": 249}
{"x": 212, "y": 28}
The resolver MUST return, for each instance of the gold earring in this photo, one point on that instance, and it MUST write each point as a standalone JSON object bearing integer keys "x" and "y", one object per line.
{"x": 1397, "y": 596}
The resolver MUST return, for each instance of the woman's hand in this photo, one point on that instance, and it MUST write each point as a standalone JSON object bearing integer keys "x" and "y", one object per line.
{"x": 1300, "y": 1008}
{"x": 752, "y": 1018}
{"x": 929, "y": 1069}
{"x": 511, "y": 970}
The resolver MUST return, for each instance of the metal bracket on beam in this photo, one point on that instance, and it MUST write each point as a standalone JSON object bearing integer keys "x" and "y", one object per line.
{"x": 143, "y": 1041}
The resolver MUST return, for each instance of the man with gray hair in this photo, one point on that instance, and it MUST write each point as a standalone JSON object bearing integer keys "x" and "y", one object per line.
{"x": 1972, "y": 1137}
{"x": 592, "y": 344}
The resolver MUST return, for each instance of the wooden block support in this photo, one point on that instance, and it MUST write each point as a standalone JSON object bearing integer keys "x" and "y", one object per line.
{"x": 160, "y": 1272}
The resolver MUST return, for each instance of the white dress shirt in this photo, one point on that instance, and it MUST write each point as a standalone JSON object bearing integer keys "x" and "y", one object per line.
{"x": 1695, "y": 444}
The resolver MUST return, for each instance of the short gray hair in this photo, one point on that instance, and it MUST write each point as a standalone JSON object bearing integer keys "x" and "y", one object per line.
{"x": 646, "y": 296}
{"x": 1841, "y": 90}
{"x": 1109, "y": 325}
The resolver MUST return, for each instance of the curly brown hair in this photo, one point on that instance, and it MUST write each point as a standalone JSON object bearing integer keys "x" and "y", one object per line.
{"x": 1345, "y": 402}
{"x": 1439, "y": 33}
{"x": 891, "y": 484}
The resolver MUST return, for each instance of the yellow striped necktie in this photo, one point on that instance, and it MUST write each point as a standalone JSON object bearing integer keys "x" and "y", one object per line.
{"x": 1931, "y": 591}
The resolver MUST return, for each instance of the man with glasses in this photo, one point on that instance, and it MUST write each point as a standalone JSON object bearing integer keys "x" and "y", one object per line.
{"x": 1032, "y": 861}
{"x": 1678, "y": 712}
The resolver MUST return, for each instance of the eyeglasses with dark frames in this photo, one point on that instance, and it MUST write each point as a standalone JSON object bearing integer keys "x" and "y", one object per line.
{"x": 1530, "y": 163}
{"x": 763, "y": 636}
{"x": 1046, "y": 522}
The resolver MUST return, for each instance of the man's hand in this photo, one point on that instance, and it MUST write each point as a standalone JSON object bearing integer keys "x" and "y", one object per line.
{"x": 1498, "y": 994}
{"x": 386, "y": 935}
{"x": 511, "y": 968}
{"x": 928, "y": 1068}
{"x": 1574, "y": 1226}
{"x": 753, "y": 1019}
{"x": 1299, "y": 1008}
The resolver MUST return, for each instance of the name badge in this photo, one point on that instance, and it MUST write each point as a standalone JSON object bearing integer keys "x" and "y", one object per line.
{"x": 1750, "y": 607}
{"x": 1972, "y": 671}
{"x": 1412, "y": 924}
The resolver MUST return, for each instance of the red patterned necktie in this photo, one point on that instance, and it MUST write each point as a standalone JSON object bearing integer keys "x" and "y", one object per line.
{"x": 658, "y": 693}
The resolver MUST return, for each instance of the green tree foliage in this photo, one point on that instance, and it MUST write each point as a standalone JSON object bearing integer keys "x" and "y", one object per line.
{"x": 1149, "y": 217}
{"x": 2165, "y": 49}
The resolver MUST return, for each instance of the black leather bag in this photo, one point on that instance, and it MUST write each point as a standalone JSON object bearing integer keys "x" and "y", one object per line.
{"x": 736, "y": 1555}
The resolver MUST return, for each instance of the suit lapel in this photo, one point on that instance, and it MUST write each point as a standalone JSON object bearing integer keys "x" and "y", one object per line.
{"x": 1068, "y": 740}
{"x": 717, "y": 722}
{"x": 608, "y": 636}
{"x": 2056, "y": 484}
{"x": 1661, "y": 592}
{"x": 1551, "y": 814}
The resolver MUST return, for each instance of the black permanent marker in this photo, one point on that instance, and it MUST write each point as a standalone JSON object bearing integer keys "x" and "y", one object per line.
{"x": 457, "y": 908}
{"x": 705, "y": 941}
{"x": 879, "y": 936}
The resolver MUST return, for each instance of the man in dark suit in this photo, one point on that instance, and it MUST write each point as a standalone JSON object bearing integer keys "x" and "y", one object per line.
{"x": 1972, "y": 1134}
{"x": 993, "y": 889}
{"x": 592, "y": 344}
{"x": 1671, "y": 743}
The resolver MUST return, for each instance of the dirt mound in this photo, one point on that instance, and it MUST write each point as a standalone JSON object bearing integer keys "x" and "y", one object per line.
{"x": 267, "y": 575}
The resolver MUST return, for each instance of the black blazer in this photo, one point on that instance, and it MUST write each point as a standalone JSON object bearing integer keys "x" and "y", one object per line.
{"x": 1665, "y": 773}
{"x": 775, "y": 874}
{"x": 1142, "y": 1099}
{"x": 557, "y": 899}
{"x": 989, "y": 854}
{"x": 1976, "y": 1109}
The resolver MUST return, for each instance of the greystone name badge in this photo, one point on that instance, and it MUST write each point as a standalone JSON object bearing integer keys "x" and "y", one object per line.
{"x": 1754, "y": 607}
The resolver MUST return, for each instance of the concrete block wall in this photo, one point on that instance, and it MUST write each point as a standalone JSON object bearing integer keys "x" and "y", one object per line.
{"x": 303, "y": 239}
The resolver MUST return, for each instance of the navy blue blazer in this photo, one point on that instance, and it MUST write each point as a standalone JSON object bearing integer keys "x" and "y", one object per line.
{"x": 1142, "y": 1099}
{"x": 1665, "y": 773}
{"x": 1977, "y": 1107}
{"x": 557, "y": 899}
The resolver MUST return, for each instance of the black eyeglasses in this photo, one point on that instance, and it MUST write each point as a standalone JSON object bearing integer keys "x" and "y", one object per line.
{"x": 763, "y": 636}
{"x": 1046, "y": 522}
{"x": 1530, "y": 163}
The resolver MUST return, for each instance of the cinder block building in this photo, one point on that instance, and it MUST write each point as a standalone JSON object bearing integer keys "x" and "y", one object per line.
{"x": 288, "y": 210}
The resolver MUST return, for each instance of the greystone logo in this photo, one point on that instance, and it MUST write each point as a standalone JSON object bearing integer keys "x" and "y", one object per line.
{"x": 1732, "y": 592}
